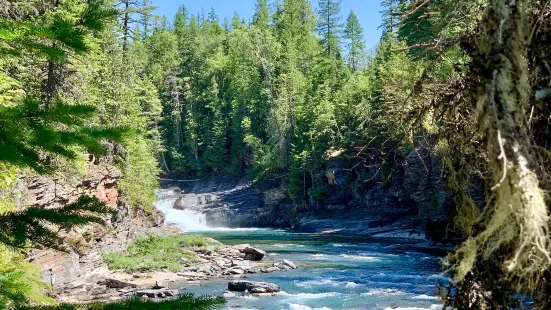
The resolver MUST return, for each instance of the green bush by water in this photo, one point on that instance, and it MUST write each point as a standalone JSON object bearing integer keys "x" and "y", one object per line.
{"x": 155, "y": 253}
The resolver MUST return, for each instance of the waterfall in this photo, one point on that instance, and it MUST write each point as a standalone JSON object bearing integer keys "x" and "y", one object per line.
{"x": 187, "y": 220}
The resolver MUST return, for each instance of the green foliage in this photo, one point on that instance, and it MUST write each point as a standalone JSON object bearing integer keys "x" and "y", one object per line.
{"x": 33, "y": 224}
{"x": 47, "y": 121}
{"x": 329, "y": 26}
{"x": 155, "y": 253}
{"x": 183, "y": 302}
{"x": 140, "y": 177}
{"x": 356, "y": 45}
{"x": 20, "y": 281}
{"x": 30, "y": 133}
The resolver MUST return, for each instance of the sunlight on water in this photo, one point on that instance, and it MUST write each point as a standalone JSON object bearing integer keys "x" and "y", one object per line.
{"x": 335, "y": 272}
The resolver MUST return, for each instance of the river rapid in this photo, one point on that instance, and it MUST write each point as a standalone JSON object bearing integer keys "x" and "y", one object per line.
{"x": 335, "y": 272}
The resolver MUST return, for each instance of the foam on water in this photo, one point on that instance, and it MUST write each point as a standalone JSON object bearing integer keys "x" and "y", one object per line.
{"x": 361, "y": 257}
{"x": 383, "y": 292}
{"x": 424, "y": 296}
{"x": 303, "y": 307}
{"x": 187, "y": 220}
{"x": 326, "y": 282}
{"x": 352, "y": 284}
{"x": 309, "y": 295}
{"x": 319, "y": 257}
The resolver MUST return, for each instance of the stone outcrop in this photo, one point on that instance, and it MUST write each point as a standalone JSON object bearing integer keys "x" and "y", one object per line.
{"x": 253, "y": 254}
{"x": 76, "y": 273}
{"x": 234, "y": 201}
{"x": 411, "y": 202}
{"x": 253, "y": 287}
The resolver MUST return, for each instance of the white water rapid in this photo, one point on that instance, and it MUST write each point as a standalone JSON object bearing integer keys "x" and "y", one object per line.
{"x": 185, "y": 219}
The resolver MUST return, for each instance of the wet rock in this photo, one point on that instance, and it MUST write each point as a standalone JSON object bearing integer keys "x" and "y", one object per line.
{"x": 228, "y": 294}
{"x": 284, "y": 267}
{"x": 241, "y": 263}
{"x": 253, "y": 254}
{"x": 289, "y": 263}
{"x": 241, "y": 247}
{"x": 237, "y": 271}
{"x": 253, "y": 287}
{"x": 269, "y": 270}
{"x": 157, "y": 293}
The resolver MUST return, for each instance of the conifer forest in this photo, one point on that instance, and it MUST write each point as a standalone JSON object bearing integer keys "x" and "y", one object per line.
{"x": 442, "y": 131}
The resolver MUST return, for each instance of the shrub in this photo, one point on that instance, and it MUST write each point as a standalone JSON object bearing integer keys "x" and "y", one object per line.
{"x": 155, "y": 253}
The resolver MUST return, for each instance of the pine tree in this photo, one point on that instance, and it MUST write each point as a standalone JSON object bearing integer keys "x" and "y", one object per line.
{"x": 261, "y": 16}
{"x": 181, "y": 22}
{"x": 329, "y": 26}
{"x": 354, "y": 35}
{"x": 128, "y": 9}
{"x": 33, "y": 133}
{"x": 146, "y": 10}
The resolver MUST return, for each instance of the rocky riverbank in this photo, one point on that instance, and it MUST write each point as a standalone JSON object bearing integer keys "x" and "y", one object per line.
{"x": 80, "y": 275}
{"x": 214, "y": 261}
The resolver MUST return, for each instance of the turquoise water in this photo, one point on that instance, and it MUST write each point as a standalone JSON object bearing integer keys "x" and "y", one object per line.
{"x": 336, "y": 272}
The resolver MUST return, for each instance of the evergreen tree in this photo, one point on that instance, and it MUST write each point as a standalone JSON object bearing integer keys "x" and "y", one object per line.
{"x": 261, "y": 16}
{"x": 181, "y": 22}
{"x": 356, "y": 46}
{"x": 146, "y": 10}
{"x": 329, "y": 26}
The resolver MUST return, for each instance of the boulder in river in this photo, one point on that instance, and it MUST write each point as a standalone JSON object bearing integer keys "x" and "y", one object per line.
{"x": 253, "y": 254}
{"x": 253, "y": 287}
{"x": 289, "y": 263}
{"x": 228, "y": 294}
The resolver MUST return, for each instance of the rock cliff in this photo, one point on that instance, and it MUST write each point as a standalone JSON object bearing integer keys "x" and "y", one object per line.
{"x": 412, "y": 202}
{"x": 79, "y": 269}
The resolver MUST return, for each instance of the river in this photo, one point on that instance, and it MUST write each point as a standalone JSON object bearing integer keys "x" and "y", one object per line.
{"x": 335, "y": 272}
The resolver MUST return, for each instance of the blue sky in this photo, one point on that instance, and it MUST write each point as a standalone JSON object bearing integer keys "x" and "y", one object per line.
{"x": 366, "y": 10}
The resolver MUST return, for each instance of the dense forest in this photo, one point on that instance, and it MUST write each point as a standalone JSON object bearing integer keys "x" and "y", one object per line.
{"x": 282, "y": 95}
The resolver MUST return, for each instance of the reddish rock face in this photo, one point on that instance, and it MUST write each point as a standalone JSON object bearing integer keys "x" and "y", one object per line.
{"x": 100, "y": 181}
{"x": 74, "y": 272}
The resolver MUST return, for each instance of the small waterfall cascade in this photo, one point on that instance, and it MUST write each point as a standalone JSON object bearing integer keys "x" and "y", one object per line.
{"x": 187, "y": 220}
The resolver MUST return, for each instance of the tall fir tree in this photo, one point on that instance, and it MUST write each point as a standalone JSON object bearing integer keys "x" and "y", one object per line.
{"x": 329, "y": 26}
{"x": 353, "y": 33}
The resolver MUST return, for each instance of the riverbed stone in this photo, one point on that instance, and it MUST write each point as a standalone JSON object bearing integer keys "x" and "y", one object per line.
{"x": 253, "y": 287}
{"x": 289, "y": 263}
{"x": 241, "y": 263}
{"x": 228, "y": 294}
{"x": 253, "y": 254}
{"x": 237, "y": 271}
{"x": 112, "y": 283}
{"x": 157, "y": 293}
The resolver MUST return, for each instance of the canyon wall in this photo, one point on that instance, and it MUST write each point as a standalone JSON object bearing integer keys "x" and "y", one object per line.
{"x": 76, "y": 272}
{"x": 413, "y": 202}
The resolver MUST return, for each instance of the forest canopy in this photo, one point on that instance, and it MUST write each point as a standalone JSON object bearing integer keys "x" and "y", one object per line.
{"x": 284, "y": 95}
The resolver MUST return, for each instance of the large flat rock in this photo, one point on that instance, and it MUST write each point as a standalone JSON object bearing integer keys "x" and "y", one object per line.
{"x": 253, "y": 287}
